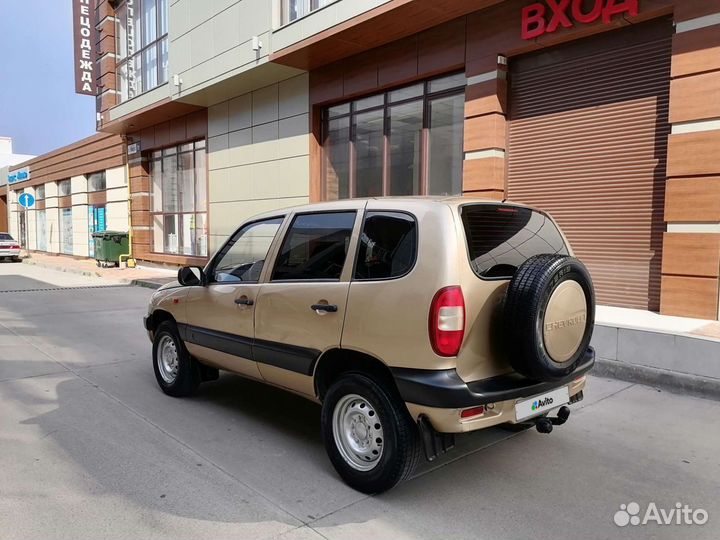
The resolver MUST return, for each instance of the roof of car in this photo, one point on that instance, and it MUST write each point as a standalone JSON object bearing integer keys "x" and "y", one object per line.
{"x": 409, "y": 201}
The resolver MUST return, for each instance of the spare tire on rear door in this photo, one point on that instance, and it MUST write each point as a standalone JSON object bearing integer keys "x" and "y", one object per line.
{"x": 548, "y": 316}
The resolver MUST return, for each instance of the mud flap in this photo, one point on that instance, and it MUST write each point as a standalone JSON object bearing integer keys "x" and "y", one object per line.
{"x": 434, "y": 443}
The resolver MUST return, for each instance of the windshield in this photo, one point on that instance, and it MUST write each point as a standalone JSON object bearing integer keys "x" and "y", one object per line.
{"x": 501, "y": 237}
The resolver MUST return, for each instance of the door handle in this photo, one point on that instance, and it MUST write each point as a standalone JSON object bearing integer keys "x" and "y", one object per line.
{"x": 244, "y": 301}
{"x": 328, "y": 308}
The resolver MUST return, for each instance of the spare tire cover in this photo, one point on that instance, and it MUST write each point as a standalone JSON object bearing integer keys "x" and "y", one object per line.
{"x": 548, "y": 316}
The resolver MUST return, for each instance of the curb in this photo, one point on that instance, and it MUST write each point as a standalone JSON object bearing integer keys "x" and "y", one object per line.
{"x": 145, "y": 283}
{"x": 137, "y": 282}
{"x": 672, "y": 381}
{"x": 65, "y": 269}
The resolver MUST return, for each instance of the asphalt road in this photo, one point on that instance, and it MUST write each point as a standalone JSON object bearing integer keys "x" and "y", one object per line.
{"x": 90, "y": 447}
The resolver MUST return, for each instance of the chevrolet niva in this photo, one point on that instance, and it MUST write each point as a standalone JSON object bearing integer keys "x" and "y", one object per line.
{"x": 408, "y": 319}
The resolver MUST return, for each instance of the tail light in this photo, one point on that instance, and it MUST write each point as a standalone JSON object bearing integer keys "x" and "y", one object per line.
{"x": 15, "y": 247}
{"x": 447, "y": 321}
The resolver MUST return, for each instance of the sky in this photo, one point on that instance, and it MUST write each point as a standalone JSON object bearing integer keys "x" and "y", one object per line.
{"x": 38, "y": 105}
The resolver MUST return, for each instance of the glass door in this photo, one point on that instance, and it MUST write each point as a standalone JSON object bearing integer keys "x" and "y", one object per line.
{"x": 66, "y": 231}
{"x": 96, "y": 223}
{"x": 41, "y": 224}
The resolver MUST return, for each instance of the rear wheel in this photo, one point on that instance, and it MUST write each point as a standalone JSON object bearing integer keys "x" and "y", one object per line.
{"x": 177, "y": 373}
{"x": 369, "y": 435}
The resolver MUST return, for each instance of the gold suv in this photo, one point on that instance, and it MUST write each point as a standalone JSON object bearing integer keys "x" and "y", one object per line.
{"x": 408, "y": 319}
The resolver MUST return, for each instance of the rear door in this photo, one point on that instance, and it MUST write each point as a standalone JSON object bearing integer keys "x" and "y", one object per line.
{"x": 300, "y": 310}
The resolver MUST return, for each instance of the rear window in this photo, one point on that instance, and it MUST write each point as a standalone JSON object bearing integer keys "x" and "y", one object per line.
{"x": 500, "y": 238}
{"x": 5, "y": 236}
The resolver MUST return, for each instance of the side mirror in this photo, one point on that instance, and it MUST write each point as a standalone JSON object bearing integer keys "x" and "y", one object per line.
{"x": 191, "y": 276}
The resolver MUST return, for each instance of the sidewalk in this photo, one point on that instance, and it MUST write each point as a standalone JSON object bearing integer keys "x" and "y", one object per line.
{"x": 676, "y": 353}
{"x": 143, "y": 276}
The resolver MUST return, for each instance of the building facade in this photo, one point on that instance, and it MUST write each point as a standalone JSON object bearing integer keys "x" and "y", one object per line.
{"x": 603, "y": 112}
{"x": 7, "y": 160}
{"x": 78, "y": 189}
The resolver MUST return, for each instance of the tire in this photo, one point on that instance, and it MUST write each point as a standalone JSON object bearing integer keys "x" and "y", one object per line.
{"x": 16, "y": 259}
{"x": 548, "y": 316}
{"x": 397, "y": 441}
{"x": 186, "y": 377}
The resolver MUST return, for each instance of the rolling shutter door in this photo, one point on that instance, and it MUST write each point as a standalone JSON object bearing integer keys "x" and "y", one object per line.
{"x": 588, "y": 143}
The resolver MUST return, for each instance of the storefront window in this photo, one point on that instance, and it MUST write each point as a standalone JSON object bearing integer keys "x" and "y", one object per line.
{"x": 294, "y": 9}
{"x": 96, "y": 181}
{"x": 41, "y": 229}
{"x": 408, "y": 141}
{"x": 66, "y": 231}
{"x": 179, "y": 199}
{"x": 141, "y": 48}
{"x": 64, "y": 188}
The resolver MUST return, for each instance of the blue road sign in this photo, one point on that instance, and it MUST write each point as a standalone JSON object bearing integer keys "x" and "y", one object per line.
{"x": 26, "y": 200}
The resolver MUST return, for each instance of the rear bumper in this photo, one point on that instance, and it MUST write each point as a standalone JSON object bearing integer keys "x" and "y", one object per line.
{"x": 9, "y": 252}
{"x": 445, "y": 389}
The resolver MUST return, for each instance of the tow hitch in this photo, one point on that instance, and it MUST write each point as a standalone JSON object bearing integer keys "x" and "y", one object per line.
{"x": 545, "y": 424}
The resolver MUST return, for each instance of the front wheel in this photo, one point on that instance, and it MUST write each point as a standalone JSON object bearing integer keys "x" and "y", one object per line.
{"x": 175, "y": 370}
{"x": 369, "y": 435}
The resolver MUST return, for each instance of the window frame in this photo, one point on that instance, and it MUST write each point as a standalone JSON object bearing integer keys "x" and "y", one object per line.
{"x": 212, "y": 264}
{"x": 176, "y": 154}
{"x": 286, "y": 233}
{"x": 65, "y": 182}
{"x": 426, "y": 97}
{"x": 103, "y": 175}
{"x": 121, "y": 63}
{"x": 357, "y": 248}
{"x": 312, "y": 7}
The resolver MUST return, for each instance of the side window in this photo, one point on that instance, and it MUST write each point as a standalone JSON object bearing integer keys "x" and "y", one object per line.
{"x": 242, "y": 259}
{"x": 388, "y": 246}
{"x": 315, "y": 247}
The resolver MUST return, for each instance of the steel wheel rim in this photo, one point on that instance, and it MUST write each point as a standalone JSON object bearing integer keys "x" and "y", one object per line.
{"x": 167, "y": 360}
{"x": 358, "y": 432}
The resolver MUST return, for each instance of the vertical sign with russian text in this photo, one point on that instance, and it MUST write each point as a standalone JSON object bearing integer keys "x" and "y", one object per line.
{"x": 133, "y": 89}
{"x": 85, "y": 39}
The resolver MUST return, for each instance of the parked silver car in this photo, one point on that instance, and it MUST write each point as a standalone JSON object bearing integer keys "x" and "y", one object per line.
{"x": 9, "y": 247}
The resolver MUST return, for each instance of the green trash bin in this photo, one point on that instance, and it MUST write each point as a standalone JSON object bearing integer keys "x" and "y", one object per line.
{"x": 109, "y": 245}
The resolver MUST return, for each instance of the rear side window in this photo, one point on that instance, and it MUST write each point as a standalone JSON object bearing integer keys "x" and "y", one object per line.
{"x": 500, "y": 238}
{"x": 315, "y": 247}
{"x": 388, "y": 246}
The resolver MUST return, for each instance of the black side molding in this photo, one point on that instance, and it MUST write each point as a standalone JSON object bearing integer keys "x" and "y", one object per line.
{"x": 291, "y": 357}
{"x": 445, "y": 389}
